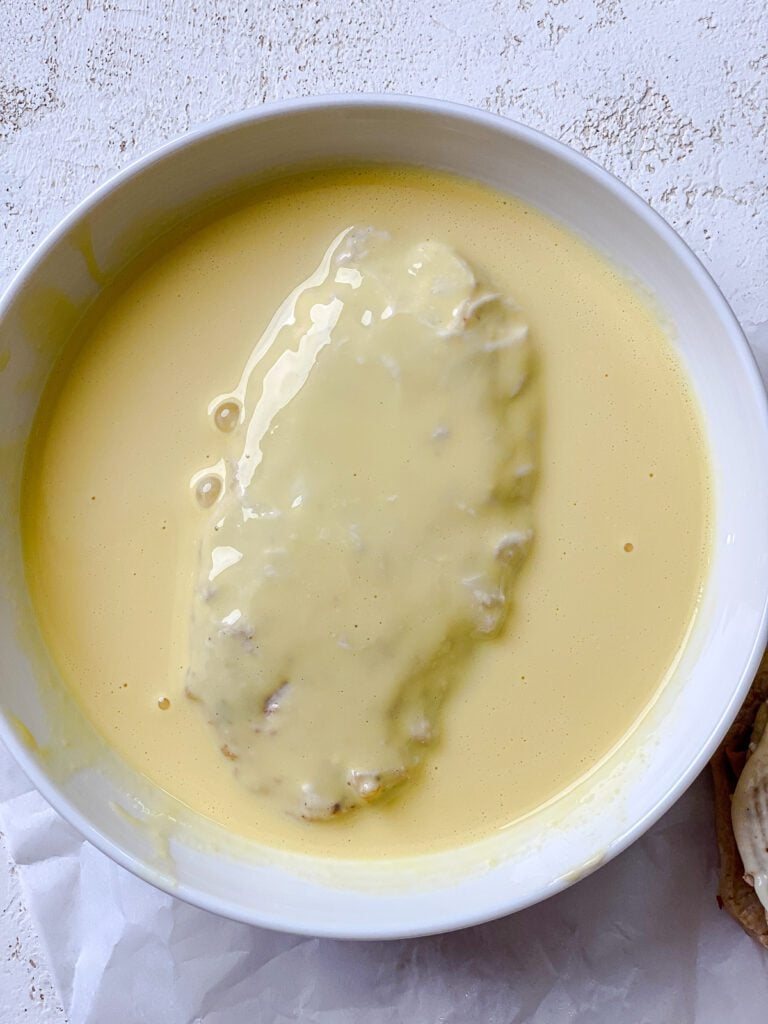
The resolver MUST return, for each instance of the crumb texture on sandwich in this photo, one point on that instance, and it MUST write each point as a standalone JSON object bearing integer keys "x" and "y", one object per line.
{"x": 740, "y": 775}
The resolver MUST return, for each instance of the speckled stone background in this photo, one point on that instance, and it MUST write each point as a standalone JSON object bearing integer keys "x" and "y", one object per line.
{"x": 670, "y": 95}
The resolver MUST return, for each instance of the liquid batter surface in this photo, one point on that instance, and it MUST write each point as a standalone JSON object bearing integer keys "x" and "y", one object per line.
{"x": 601, "y": 605}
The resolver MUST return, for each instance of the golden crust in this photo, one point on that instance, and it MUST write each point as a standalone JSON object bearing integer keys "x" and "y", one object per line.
{"x": 736, "y": 895}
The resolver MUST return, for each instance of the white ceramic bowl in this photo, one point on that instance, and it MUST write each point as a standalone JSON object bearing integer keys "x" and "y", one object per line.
{"x": 639, "y": 780}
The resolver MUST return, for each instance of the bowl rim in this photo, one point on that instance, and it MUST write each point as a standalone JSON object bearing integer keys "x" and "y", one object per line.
{"x": 451, "y": 918}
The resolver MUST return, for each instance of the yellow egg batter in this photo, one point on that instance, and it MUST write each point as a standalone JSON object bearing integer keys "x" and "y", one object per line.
{"x": 600, "y": 606}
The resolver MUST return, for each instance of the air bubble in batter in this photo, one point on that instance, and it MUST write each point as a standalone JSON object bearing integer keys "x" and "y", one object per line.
{"x": 208, "y": 490}
{"x": 226, "y": 415}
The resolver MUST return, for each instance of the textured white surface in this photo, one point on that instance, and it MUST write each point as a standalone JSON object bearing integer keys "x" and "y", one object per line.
{"x": 672, "y": 97}
{"x": 26, "y": 990}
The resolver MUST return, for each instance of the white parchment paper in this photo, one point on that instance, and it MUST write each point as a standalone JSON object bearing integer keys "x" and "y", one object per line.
{"x": 642, "y": 941}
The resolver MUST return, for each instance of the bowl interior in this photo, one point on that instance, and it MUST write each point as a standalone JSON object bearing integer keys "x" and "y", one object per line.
{"x": 628, "y": 791}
